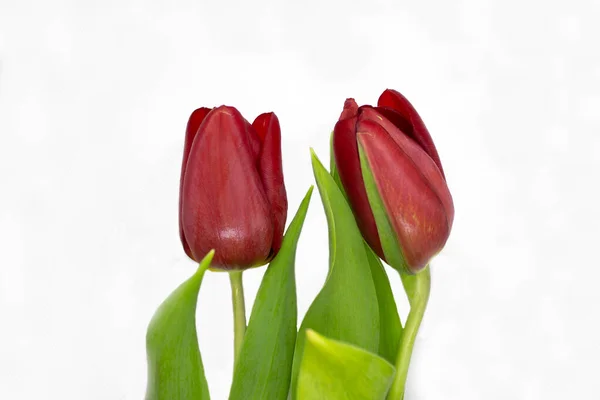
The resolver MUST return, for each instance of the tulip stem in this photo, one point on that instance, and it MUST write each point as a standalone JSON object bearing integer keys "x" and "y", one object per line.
{"x": 417, "y": 288}
{"x": 239, "y": 312}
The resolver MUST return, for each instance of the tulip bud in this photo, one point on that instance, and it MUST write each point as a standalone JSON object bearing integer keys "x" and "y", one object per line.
{"x": 232, "y": 196}
{"x": 393, "y": 177}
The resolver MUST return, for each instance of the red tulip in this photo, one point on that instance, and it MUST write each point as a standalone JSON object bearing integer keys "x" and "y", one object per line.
{"x": 232, "y": 196}
{"x": 407, "y": 172}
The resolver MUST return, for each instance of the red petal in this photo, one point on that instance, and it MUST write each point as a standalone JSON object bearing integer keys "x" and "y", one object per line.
{"x": 350, "y": 109}
{"x": 396, "y": 101}
{"x": 224, "y": 204}
{"x": 347, "y": 160}
{"x": 271, "y": 172}
{"x": 420, "y": 158}
{"x": 254, "y": 139}
{"x": 416, "y": 210}
{"x": 194, "y": 123}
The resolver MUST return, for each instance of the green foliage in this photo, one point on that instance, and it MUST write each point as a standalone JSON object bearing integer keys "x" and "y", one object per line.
{"x": 175, "y": 370}
{"x": 346, "y": 308}
{"x": 265, "y": 362}
{"x": 335, "y": 370}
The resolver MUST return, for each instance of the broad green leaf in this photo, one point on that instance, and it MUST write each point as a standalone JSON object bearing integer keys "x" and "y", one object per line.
{"x": 331, "y": 369}
{"x": 346, "y": 308}
{"x": 265, "y": 363}
{"x": 390, "y": 328}
{"x": 175, "y": 370}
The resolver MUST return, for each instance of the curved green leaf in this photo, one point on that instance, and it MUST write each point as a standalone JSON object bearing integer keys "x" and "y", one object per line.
{"x": 175, "y": 370}
{"x": 390, "y": 327}
{"x": 335, "y": 370}
{"x": 265, "y": 363}
{"x": 346, "y": 308}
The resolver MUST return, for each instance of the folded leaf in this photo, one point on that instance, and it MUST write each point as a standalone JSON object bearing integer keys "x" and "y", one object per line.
{"x": 335, "y": 370}
{"x": 346, "y": 308}
{"x": 175, "y": 370}
{"x": 264, "y": 365}
{"x": 390, "y": 326}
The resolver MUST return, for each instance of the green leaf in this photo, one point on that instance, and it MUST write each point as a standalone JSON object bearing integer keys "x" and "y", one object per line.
{"x": 390, "y": 327}
{"x": 265, "y": 363}
{"x": 175, "y": 370}
{"x": 346, "y": 308}
{"x": 335, "y": 370}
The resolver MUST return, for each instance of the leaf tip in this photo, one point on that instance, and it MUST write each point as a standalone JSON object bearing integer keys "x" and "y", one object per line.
{"x": 309, "y": 192}
{"x": 316, "y": 163}
{"x": 314, "y": 338}
{"x": 205, "y": 263}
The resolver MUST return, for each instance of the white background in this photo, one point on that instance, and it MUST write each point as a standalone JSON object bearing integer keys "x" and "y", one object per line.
{"x": 94, "y": 99}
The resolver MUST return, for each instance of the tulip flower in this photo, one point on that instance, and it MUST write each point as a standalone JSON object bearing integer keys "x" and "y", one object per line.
{"x": 232, "y": 196}
{"x": 390, "y": 146}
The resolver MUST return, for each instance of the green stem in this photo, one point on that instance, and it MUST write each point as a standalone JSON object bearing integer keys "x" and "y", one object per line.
{"x": 239, "y": 312}
{"x": 417, "y": 288}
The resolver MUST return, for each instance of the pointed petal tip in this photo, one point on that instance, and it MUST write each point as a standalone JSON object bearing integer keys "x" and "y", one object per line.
{"x": 269, "y": 114}
{"x": 266, "y": 123}
{"x": 225, "y": 109}
{"x": 200, "y": 112}
{"x": 397, "y": 102}
{"x": 350, "y": 109}
{"x": 265, "y": 118}
{"x": 194, "y": 121}
{"x": 389, "y": 96}
{"x": 224, "y": 114}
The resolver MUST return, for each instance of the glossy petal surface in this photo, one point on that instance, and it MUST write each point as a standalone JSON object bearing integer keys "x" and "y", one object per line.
{"x": 422, "y": 162}
{"x": 397, "y": 102}
{"x": 414, "y": 208}
{"x": 224, "y": 204}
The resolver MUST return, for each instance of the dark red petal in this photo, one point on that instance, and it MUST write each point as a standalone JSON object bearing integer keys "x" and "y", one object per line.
{"x": 271, "y": 172}
{"x": 194, "y": 123}
{"x": 254, "y": 140}
{"x": 398, "y": 120}
{"x": 224, "y": 204}
{"x": 350, "y": 109}
{"x": 396, "y": 101}
{"x": 415, "y": 209}
{"x": 345, "y": 150}
{"x": 420, "y": 158}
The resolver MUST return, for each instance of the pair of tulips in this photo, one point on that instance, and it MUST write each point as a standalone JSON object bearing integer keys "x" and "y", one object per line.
{"x": 233, "y": 197}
